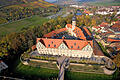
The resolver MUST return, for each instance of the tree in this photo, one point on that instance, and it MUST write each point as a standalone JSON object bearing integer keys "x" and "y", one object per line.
{"x": 93, "y": 22}
{"x": 58, "y": 26}
{"x": 117, "y": 59}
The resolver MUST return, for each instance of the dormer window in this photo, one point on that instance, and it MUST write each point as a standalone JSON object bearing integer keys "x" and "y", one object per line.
{"x": 78, "y": 47}
{"x": 75, "y": 44}
{"x": 52, "y": 42}
{"x": 48, "y": 45}
{"x": 54, "y": 45}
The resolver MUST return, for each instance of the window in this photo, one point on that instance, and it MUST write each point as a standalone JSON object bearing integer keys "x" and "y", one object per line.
{"x": 78, "y": 47}
{"x": 75, "y": 44}
{"x": 48, "y": 45}
{"x": 52, "y": 42}
{"x": 71, "y": 46}
{"x": 54, "y": 45}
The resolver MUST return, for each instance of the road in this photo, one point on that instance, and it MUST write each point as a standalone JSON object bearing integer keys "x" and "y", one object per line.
{"x": 63, "y": 62}
{"x": 60, "y": 13}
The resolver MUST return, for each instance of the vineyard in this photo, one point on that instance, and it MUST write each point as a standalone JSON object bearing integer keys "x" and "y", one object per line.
{"x": 19, "y": 11}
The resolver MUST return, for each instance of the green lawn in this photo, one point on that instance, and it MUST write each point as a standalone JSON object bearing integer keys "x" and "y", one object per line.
{"x": 86, "y": 68}
{"x": 43, "y": 65}
{"x": 45, "y": 73}
{"x": 17, "y": 26}
{"x": 35, "y": 71}
{"x": 86, "y": 76}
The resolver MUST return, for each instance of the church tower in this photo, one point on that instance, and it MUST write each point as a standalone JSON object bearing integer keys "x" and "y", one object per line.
{"x": 73, "y": 22}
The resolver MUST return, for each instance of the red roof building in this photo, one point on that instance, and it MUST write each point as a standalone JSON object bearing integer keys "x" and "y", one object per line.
{"x": 71, "y": 44}
{"x": 113, "y": 40}
{"x": 70, "y": 41}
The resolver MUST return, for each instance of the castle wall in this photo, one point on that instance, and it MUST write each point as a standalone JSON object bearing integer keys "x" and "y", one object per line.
{"x": 64, "y": 51}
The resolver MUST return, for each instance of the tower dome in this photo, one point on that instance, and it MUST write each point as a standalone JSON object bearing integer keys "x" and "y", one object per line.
{"x": 73, "y": 22}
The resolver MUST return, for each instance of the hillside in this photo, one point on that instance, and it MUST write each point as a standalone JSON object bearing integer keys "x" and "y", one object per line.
{"x": 96, "y": 0}
{"x": 105, "y": 3}
{"x": 11, "y": 2}
{"x": 13, "y": 10}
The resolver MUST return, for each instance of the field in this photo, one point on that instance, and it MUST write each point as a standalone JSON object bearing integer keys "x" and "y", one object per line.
{"x": 105, "y": 3}
{"x": 17, "y": 26}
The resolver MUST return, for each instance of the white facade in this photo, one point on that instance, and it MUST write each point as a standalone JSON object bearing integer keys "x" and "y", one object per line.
{"x": 63, "y": 50}
{"x": 102, "y": 12}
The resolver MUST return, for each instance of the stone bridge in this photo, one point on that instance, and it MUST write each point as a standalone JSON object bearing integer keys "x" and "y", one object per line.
{"x": 62, "y": 63}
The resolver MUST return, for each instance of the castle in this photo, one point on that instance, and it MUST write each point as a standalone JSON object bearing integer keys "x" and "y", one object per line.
{"x": 70, "y": 41}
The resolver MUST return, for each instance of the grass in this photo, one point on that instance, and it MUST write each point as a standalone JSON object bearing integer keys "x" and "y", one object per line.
{"x": 36, "y": 71}
{"x": 87, "y": 69}
{"x": 43, "y": 65}
{"x": 17, "y": 26}
{"x": 44, "y": 73}
{"x": 86, "y": 76}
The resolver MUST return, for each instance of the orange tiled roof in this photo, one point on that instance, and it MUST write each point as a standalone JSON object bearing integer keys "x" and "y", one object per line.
{"x": 87, "y": 12}
{"x": 79, "y": 33}
{"x": 116, "y": 25}
{"x": 117, "y": 22}
{"x": 33, "y": 47}
{"x": 99, "y": 31}
{"x": 52, "y": 43}
{"x": 97, "y": 51}
{"x": 76, "y": 44}
{"x": 53, "y": 33}
{"x": 87, "y": 31}
{"x": 104, "y": 23}
{"x": 115, "y": 44}
{"x": 71, "y": 44}
{"x": 69, "y": 25}
{"x": 113, "y": 40}
{"x": 96, "y": 27}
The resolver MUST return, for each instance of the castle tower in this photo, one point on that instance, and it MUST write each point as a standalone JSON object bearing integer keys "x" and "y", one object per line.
{"x": 73, "y": 22}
